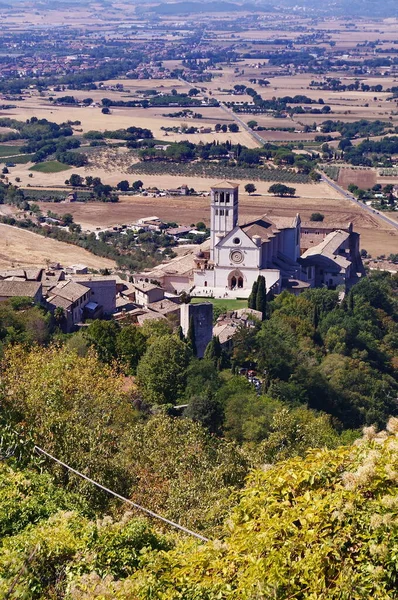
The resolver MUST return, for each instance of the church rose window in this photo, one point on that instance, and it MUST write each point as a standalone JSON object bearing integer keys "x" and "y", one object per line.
{"x": 236, "y": 241}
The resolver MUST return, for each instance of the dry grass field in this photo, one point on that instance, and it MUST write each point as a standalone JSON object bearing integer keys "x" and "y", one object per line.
{"x": 363, "y": 178}
{"x": 24, "y": 248}
{"x": 121, "y": 118}
{"x": 112, "y": 165}
{"x": 376, "y": 237}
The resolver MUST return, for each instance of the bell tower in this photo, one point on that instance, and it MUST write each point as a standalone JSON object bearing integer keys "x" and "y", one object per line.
{"x": 224, "y": 200}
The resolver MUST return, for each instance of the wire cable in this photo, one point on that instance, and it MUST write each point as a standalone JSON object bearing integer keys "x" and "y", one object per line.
{"x": 137, "y": 506}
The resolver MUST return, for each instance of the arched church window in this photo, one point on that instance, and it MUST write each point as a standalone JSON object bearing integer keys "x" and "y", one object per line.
{"x": 226, "y": 213}
{"x": 216, "y": 211}
{"x": 222, "y": 196}
{"x": 221, "y": 212}
{"x": 227, "y": 198}
{"x": 240, "y": 282}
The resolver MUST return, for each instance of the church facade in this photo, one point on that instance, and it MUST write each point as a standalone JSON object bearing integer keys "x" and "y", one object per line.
{"x": 239, "y": 253}
{"x": 279, "y": 248}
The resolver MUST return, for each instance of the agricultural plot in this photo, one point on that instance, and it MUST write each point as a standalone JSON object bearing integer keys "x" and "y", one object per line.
{"x": 50, "y": 166}
{"x": 221, "y": 171}
{"x": 8, "y": 150}
{"x": 363, "y": 178}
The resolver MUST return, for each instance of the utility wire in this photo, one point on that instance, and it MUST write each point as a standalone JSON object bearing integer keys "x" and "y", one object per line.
{"x": 137, "y": 506}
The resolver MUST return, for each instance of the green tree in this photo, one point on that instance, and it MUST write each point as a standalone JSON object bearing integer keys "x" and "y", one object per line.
{"x": 75, "y": 180}
{"x": 123, "y": 186}
{"x": 137, "y": 185}
{"x": 261, "y": 297}
{"x": 250, "y": 188}
{"x": 130, "y": 347}
{"x": 213, "y": 350}
{"x": 279, "y": 189}
{"x": 317, "y": 216}
{"x": 75, "y": 408}
{"x": 161, "y": 372}
{"x": 206, "y": 410}
{"x": 102, "y": 335}
{"x": 253, "y": 295}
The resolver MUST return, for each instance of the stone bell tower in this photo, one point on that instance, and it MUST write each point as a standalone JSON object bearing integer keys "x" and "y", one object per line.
{"x": 224, "y": 200}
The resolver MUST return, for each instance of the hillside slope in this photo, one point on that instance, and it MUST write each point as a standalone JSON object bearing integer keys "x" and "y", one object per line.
{"x": 24, "y": 248}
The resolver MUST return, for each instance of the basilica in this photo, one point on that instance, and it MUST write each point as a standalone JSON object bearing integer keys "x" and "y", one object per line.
{"x": 272, "y": 247}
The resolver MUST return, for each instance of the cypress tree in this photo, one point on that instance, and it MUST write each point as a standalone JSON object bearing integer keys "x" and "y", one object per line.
{"x": 251, "y": 303}
{"x": 213, "y": 350}
{"x": 261, "y": 297}
{"x": 210, "y": 351}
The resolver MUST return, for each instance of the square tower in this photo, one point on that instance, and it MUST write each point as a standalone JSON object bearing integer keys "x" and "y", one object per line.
{"x": 224, "y": 200}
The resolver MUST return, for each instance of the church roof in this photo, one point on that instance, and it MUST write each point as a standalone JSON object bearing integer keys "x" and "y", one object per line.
{"x": 266, "y": 228}
{"x": 222, "y": 185}
{"x": 262, "y": 227}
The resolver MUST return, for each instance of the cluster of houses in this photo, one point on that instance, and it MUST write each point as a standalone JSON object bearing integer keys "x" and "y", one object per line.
{"x": 289, "y": 254}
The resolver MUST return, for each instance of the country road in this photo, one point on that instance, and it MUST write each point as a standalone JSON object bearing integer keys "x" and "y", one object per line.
{"x": 372, "y": 211}
{"x": 365, "y": 207}
{"x": 234, "y": 116}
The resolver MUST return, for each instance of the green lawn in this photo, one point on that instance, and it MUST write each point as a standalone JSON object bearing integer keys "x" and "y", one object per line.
{"x": 228, "y": 303}
{"x": 9, "y": 150}
{"x": 51, "y": 166}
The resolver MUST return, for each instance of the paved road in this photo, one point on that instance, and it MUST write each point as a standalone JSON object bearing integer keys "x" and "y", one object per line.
{"x": 369, "y": 209}
{"x": 235, "y": 117}
{"x": 330, "y": 182}
{"x": 244, "y": 125}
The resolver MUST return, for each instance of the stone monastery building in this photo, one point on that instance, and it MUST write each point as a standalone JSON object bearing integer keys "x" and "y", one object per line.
{"x": 239, "y": 253}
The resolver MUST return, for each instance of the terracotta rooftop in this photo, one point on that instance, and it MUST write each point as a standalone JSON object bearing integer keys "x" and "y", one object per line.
{"x": 69, "y": 290}
{"x": 266, "y": 227}
{"x": 10, "y": 289}
{"x": 222, "y": 185}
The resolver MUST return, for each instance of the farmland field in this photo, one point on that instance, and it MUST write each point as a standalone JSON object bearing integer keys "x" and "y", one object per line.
{"x": 8, "y": 150}
{"x": 376, "y": 237}
{"x": 363, "y": 178}
{"x": 242, "y": 62}
{"x": 50, "y": 166}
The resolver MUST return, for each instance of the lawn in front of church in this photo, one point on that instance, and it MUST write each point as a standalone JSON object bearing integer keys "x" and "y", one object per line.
{"x": 227, "y": 303}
